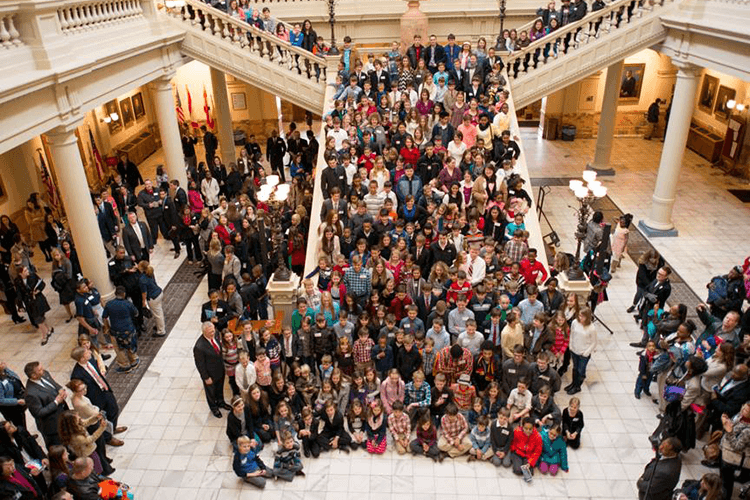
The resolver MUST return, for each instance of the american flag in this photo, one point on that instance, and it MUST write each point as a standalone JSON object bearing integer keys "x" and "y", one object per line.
{"x": 97, "y": 157}
{"x": 178, "y": 107}
{"x": 47, "y": 181}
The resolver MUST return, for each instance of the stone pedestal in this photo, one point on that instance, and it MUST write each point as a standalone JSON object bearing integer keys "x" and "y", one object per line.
{"x": 283, "y": 295}
{"x": 413, "y": 22}
{"x": 582, "y": 288}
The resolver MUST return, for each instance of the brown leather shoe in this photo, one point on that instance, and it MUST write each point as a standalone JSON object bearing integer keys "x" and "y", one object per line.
{"x": 120, "y": 429}
{"x": 115, "y": 442}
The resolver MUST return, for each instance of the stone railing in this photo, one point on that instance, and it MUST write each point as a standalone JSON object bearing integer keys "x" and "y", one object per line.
{"x": 250, "y": 39}
{"x": 87, "y": 16}
{"x": 571, "y": 37}
{"x": 9, "y": 35}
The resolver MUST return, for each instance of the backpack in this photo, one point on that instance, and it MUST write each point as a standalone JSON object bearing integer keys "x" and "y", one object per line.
{"x": 717, "y": 289}
{"x": 59, "y": 280}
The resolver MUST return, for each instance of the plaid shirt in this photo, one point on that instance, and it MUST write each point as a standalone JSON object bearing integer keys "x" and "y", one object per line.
{"x": 399, "y": 425}
{"x": 428, "y": 360}
{"x": 516, "y": 250}
{"x": 362, "y": 350}
{"x": 454, "y": 427}
{"x": 444, "y": 364}
{"x": 420, "y": 395}
{"x": 359, "y": 283}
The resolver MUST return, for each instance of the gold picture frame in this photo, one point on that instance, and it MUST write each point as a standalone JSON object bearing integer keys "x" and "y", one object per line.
{"x": 631, "y": 82}
{"x": 707, "y": 96}
{"x": 724, "y": 95}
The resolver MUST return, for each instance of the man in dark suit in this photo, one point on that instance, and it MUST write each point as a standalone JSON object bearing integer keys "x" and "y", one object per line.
{"x": 148, "y": 200}
{"x": 472, "y": 69}
{"x": 275, "y": 149}
{"x": 211, "y": 143}
{"x": 335, "y": 203}
{"x": 210, "y": 365}
{"x": 105, "y": 218}
{"x": 426, "y": 301}
{"x": 169, "y": 219}
{"x": 137, "y": 239}
{"x": 415, "y": 52}
{"x": 443, "y": 250}
{"x": 433, "y": 54}
{"x": 188, "y": 148}
{"x": 179, "y": 195}
{"x": 662, "y": 473}
{"x": 46, "y": 401}
{"x": 422, "y": 257}
{"x": 730, "y": 394}
{"x": 98, "y": 390}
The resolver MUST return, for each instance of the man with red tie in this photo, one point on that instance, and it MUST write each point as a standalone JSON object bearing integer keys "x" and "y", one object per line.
{"x": 98, "y": 390}
{"x": 210, "y": 365}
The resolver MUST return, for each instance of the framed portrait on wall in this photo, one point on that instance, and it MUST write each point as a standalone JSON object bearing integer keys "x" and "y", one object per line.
{"x": 138, "y": 108}
{"x": 238, "y": 100}
{"x": 126, "y": 106}
{"x": 113, "y": 108}
{"x": 724, "y": 95}
{"x": 631, "y": 82}
{"x": 708, "y": 93}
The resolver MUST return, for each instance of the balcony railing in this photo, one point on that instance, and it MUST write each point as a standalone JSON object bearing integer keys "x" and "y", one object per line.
{"x": 573, "y": 36}
{"x": 9, "y": 36}
{"x": 249, "y": 38}
{"x": 88, "y": 16}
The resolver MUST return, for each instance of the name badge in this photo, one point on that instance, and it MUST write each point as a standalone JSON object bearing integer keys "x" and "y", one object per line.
{"x": 219, "y": 309}
{"x": 318, "y": 334}
{"x": 512, "y": 370}
{"x": 505, "y": 431}
{"x": 363, "y": 276}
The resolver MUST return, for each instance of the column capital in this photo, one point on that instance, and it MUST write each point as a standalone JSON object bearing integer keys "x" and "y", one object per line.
{"x": 64, "y": 134}
{"x": 164, "y": 82}
{"x": 687, "y": 70}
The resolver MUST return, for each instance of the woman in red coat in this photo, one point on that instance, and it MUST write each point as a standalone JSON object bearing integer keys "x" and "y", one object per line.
{"x": 410, "y": 152}
{"x": 525, "y": 449}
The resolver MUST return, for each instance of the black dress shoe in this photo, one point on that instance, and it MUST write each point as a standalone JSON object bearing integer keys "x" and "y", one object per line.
{"x": 19, "y": 321}
{"x": 216, "y": 413}
{"x": 711, "y": 464}
{"x": 105, "y": 357}
{"x": 225, "y": 406}
{"x": 637, "y": 344}
{"x": 631, "y": 309}
{"x": 574, "y": 390}
{"x": 569, "y": 386}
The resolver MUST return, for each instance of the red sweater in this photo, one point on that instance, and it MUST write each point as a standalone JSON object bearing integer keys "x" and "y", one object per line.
{"x": 529, "y": 447}
{"x": 398, "y": 307}
{"x": 411, "y": 156}
{"x": 531, "y": 271}
{"x": 456, "y": 289}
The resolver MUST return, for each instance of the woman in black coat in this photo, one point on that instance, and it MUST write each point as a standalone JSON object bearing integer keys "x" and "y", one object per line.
{"x": 29, "y": 287}
{"x": 310, "y": 38}
{"x": 14, "y": 490}
{"x": 235, "y": 426}
{"x": 648, "y": 265}
{"x": 333, "y": 435}
{"x": 8, "y": 230}
{"x": 15, "y": 442}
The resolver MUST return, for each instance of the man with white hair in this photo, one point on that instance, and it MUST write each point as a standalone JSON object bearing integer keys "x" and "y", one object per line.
{"x": 210, "y": 365}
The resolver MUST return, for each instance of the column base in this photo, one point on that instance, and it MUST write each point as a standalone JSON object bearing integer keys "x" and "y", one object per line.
{"x": 579, "y": 287}
{"x": 283, "y": 295}
{"x": 657, "y": 233}
{"x": 605, "y": 171}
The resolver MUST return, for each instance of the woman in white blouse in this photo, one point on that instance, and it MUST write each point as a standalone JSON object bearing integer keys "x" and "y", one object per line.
{"x": 582, "y": 344}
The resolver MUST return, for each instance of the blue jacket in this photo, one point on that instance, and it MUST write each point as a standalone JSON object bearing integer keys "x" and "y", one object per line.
{"x": 554, "y": 452}
{"x": 385, "y": 363}
{"x": 7, "y": 393}
{"x": 247, "y": 463}
{"x": 402, "y": 188}
{"x": 295, "y": 39}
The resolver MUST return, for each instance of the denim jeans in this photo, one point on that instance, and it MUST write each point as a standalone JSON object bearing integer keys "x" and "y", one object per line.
{"x": 579, "y": 364}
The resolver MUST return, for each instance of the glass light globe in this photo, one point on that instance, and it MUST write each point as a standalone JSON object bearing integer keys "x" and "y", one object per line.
{"x": 589, "y": 175}
{"x": 731, "y": 103}
{"x": 582, "y": 192}
{"x": 575, "y": 184}
{"x": 740, "y": 108}
{"x": 272, "y": 180}
{"x": 600, "y": 192}
{"x": 594, "y": 185}
{"x": 263, "y": 196}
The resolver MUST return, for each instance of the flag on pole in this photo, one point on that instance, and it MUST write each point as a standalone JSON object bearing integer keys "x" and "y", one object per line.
{"x": 47, "y": 181}
{"x": 193, "y": 123}
{"x": 207, "y": 110}
{"x": 97, "y": 157}
{"x": 178, "y": 107}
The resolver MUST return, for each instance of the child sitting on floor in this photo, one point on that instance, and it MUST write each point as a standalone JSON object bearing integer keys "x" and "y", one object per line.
{"x": 481, "y": 447}
{"x": 287, "y": 463}
{"x": 248, "y": 465}
{"x": 426, "y": 441}
{"x": 572, "y": 423}
{"x": 375, "y": 427}
{"x": 554, "y": 451}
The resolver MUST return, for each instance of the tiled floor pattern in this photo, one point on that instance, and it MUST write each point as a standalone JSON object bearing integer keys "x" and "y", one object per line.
{"x": 176, "y": 449}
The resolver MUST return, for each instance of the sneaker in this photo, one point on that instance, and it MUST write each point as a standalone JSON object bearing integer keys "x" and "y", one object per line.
{"x": 300, "y": 473}
{"x": 124, "y": 369}
{"x": 136, "y": 364}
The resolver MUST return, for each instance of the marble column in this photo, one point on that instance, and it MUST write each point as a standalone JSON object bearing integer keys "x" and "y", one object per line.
{"x": 74, "y": 190}
{"x": 659, "y": 220}
{"x": 607, "y": 120}
{"x": 169, "y": 129}
{"x": 223, "y": 115}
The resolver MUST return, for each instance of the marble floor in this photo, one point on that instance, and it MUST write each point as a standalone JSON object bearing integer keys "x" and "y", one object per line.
{"x": 175, "y": 449}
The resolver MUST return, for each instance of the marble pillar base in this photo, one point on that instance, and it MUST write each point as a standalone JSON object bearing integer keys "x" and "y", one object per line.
{"x": 657, "y": 233}
{"x": 600, "y": 170}
{"x": 582, "y": 288}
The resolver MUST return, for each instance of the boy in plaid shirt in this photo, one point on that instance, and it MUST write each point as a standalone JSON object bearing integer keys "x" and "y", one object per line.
{"x": 400, "y": 427}
{"x": 454, "y": 429}
{"x": 363, "y": 349}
